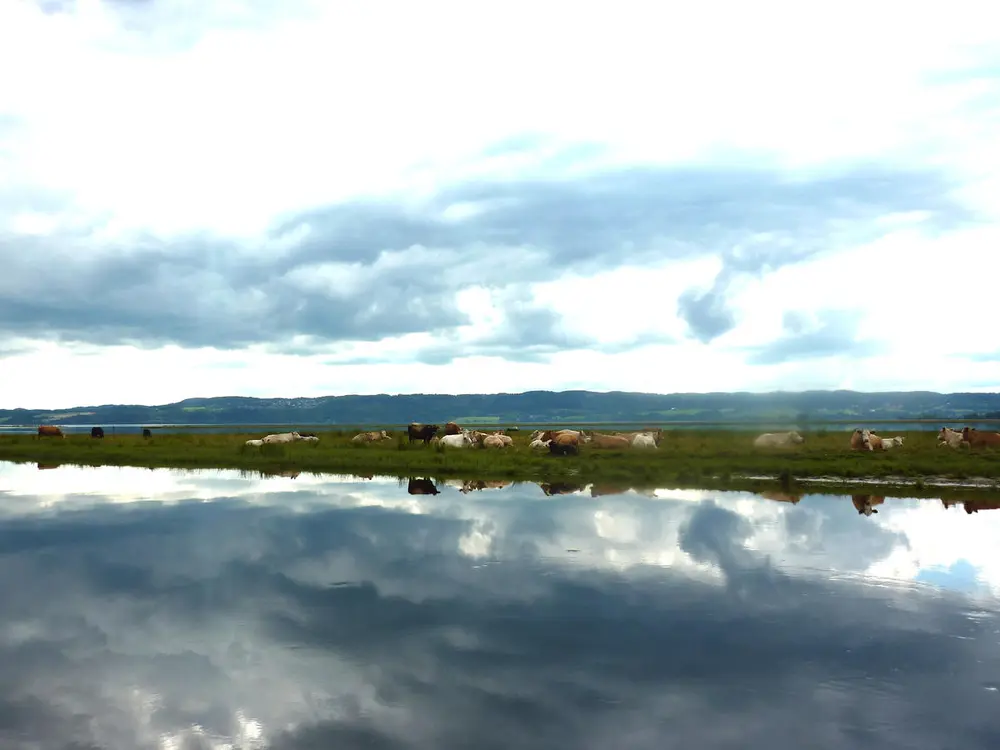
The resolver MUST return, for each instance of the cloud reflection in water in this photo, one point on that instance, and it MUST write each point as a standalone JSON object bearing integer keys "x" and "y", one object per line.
{"x": 143, "y": 608}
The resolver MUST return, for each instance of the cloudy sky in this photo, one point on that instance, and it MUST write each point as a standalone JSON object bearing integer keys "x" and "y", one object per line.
{"x": 308, "y": 613}
{"x": 307, "y": 198}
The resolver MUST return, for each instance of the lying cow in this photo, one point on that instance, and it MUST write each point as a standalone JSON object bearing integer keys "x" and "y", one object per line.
{"x": 611, "y": 442}
{"x": 539, "y": 445}
{"x": 892, "y": 442}
{"x": 778, "y": 439}
{"x": 951, "y": 438}
{"x": 282, "y": 437}
{"x": 644, "y": 440}
{"x": 461, "y": 440}
{"x": 861, "y": 440}
{"x": 255, "y": 443}
{"x": 370, "y": 437}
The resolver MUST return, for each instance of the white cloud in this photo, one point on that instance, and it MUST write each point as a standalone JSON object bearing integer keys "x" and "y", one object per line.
{"x": 174, "y": 143}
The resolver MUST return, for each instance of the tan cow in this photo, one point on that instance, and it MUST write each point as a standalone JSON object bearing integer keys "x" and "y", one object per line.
{"x": 778, "y": 439}
{"x": 977, "y": 439}
{"x": 370, "y": 437}
{"x": 49, "y": 430}
{"x": 610, "y": 442}
{"x": 865, "y": 503}
{"x": 951, "y": 438}
{"x": 781, "y": 497}
{"x": 861, "y": 440}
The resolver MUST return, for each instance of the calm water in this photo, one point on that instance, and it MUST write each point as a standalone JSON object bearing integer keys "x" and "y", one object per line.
{"x": 168, "y": 609}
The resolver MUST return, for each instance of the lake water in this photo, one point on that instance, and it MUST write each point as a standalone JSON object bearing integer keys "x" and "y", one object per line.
{"x": 175, "y": 609}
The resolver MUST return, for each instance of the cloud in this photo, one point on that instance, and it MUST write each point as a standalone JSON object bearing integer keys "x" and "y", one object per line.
{"x": 304, "y": 614}
{"x": 303, "y": 180}
{"x": 828, "y": 333}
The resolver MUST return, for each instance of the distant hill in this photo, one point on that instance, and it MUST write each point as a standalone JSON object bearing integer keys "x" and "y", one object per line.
{"x": 533, "y": 406}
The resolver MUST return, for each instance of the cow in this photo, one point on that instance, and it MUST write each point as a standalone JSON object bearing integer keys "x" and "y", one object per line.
{"x": 422, "y": 487}
{"x": 146, "y": 433}
{"x": 49, "y": 430}
{"x": 549, "y": 434}
{"x": 865, "y": 503}
{"x": 655, "y": 433}
{"x": 875, "y": 441}
{"x": 450, "y": 428}
{"x": 951, "y": 438}
{"x": 599, "y": 490}
{"x": 308, "y": 434}
{"x": 644, "y": 440}
{"x": 97, "y": 432}
{"x": 778, "y": 439}
{"x": 254, "y": 443}
{"x": 309, "y": 438}
{"x": 282, "y": 437}
{"x": 892, "y": 442}
{"x": 975, "y": 438}
{"x": 370, "y": 437}
{"x": 861, "y": 440}
{"x": 612, "y": 442}
{"x": 564, "y": 445}
{"x": 506, "y": 440}
{"x": 494, "y": 441}
{"x": 417, "y": 431}
{"x": 461, "y": 440}
{"x": 539, "y": 445}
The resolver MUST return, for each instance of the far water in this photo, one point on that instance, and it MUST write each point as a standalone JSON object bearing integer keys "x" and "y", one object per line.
{"x": 212, "y": 609}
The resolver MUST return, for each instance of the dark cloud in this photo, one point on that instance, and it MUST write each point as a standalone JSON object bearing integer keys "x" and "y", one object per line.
{"x": 395, "y": 268}
{"x": 831, "y": 333}
{"x": 365, "y": 627}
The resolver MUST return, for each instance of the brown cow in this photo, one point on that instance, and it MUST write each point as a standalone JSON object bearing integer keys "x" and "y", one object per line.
{"x": 49, "y": 430}
{"x": 865, "y": 503}
{"x": 613, "y": 442}
{"x": 417, "y": 431}
{"x": 559, "y": 488}
{"x": 450, "y": 428}
{"x": 975, "y": 438}
{"x": 781, "y": 497}
{"x": 974, "y": 506}
{"x": 564, "y": 445}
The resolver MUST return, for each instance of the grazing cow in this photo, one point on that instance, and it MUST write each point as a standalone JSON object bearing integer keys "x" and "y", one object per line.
{"x": 146, "y": 433}
{"x": 539, "y": 445}
{"x": 450, "y": 428}
{"x": 778, "y": 439}
{"x": 422, "y": 487}
{"x": 892, "y": 442}
{"x": 865, "y": 503}
{"x": 861, "y": 440}
{"x": 560, "y": 488}
{"x": 951, "y": 438}
{"x": 417, "y": 431}
{"x": 975, "y": 438}
{"x": 97, "y": 432}
{"x": 255, "y": 443}
{"x": 644, "y": 440}
{"x": 49, "y": 430}
{"x": 282, "y": 437}
{"x": 564, "y": 445}
{"x": 612, "y": 442}
{"x": 461, "y": 440}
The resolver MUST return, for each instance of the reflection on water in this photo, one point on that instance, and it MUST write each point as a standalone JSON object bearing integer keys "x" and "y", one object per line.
{"x": 174, "y": 609}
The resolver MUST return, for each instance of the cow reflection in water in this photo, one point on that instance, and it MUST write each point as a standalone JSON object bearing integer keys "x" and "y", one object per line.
{"x": 973, "y": 506}
{"x": 560, "y": 488}
{"x": 866, "y": 503}
{"x": 470, "y": 485}
{"x": 42, "y": 467}
{"x": 781, "y": 497}
{"x": 599, "y": 490}
{"x": 422, "y": 487}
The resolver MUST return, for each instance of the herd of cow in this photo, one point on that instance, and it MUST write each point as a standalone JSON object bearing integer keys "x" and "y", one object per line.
{"x": 567, "y": 442}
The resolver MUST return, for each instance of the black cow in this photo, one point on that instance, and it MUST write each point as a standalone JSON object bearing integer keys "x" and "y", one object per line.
{"x": 417, "y": 431}
{"x": 97, "y": 432}
{"x": 146, "y": 433}
{"x": 308, "y": 434}
{"x": 567, "y": 449}
{"x": 422, "y": 487}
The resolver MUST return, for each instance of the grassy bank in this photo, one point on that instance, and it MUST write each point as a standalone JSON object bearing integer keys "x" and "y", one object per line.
{"x": 684, "y": 458}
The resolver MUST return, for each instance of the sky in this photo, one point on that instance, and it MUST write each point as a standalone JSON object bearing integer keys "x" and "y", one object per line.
{"x": 321, "y": 198}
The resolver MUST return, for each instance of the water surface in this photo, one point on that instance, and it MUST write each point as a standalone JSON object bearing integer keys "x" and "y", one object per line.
{"x": 175, "y": 609}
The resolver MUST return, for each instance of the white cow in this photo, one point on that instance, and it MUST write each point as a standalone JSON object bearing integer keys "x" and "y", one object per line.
{"x": 255, "y": 443}
{"x": 283, "y": 437}
{"x": 462, "y": 440}
{"x": 891, "y": 442}
{"x": 494, "y": 441}
{"x": 778, "y": 439}
{"x": 950, "y": 437}
{"x": 310, "y": 439}
{"x": 644, "y": 440}
{"x": 539, "y": 445}
{"x": 507, "y": 440}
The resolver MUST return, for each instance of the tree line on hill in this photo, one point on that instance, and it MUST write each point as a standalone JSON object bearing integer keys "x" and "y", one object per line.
{"x": 533, "y": 407}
